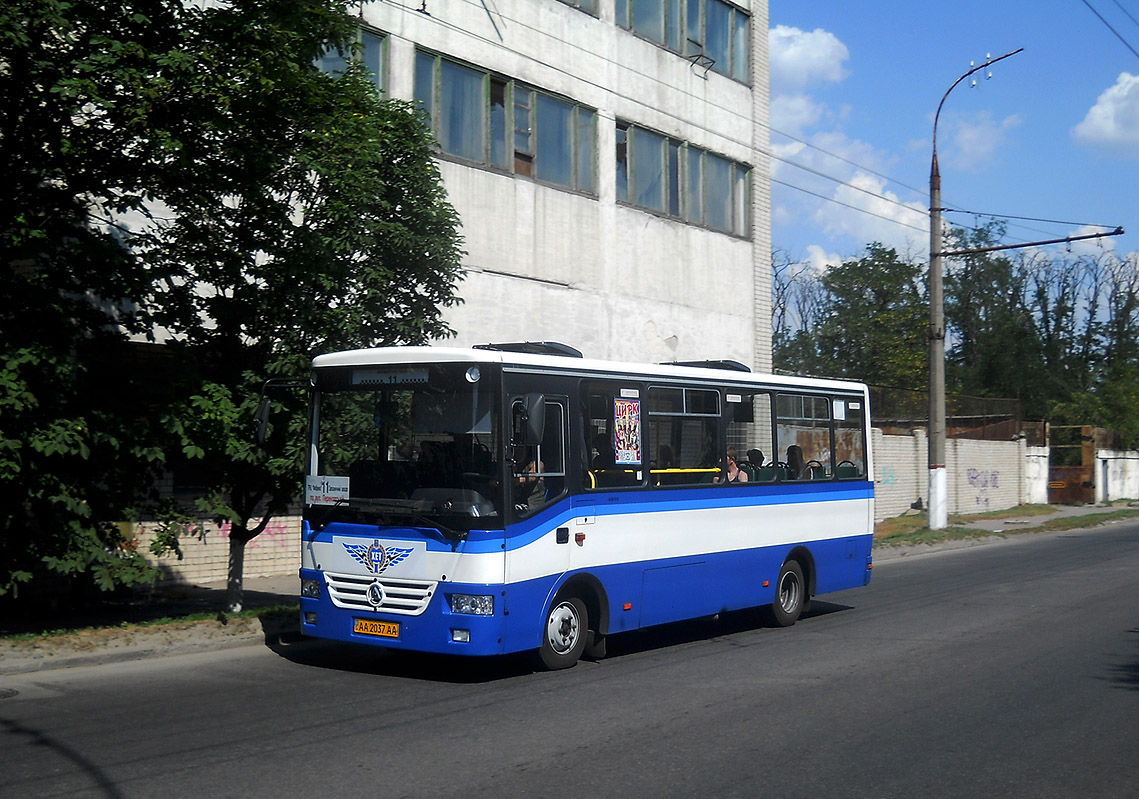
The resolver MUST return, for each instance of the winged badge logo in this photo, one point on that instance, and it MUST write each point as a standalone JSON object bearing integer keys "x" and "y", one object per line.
{"x": 376, "y": 557}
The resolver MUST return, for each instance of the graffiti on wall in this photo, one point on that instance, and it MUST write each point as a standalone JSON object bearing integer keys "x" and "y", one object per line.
{"x": 889, "y": 476}
{"x": 982, "y": 481}
{"x": 276, "y": 534}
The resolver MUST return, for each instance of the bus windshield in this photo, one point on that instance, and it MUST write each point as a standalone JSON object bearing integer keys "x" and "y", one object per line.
{"x": 418, "y": 445}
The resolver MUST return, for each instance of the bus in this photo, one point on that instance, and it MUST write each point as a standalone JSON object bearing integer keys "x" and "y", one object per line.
{"x": 520, "y": 497}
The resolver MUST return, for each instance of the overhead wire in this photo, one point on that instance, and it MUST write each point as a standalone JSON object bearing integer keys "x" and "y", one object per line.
{"x": 769, "y": 153}
{"x": 848, "y": 205}
{"x": 1125, "y": 11}
{"x": 1111, "y": 28}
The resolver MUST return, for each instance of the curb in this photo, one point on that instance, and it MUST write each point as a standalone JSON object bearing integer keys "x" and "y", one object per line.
{"x": 117, "y": 645}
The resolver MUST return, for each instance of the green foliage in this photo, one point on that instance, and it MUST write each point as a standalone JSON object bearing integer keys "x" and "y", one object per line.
{"x": 174, "y": 524}
{"x": 1056, "y": 331}
{"x": 871, "y": 324}
{"x": 995, "y": 349}
{"x": 186, "y": 168}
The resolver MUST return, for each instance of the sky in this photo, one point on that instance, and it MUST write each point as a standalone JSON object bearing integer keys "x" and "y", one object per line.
{"x": 1052, "y": 135}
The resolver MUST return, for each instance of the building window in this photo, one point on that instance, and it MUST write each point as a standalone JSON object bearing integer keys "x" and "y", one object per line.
{"x": 712, "y": 29}
{"x": 682, "y": 181}
{"x": 369, "y": 51}
{"x": 499, "y": 122}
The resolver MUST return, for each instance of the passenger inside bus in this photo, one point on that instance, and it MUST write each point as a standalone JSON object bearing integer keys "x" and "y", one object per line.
{"x": 796, "y": 466}
{"x": 735, "y": 474}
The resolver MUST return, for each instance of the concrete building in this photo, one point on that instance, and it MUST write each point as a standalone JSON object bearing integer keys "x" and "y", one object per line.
{"x": 608, "y": 159}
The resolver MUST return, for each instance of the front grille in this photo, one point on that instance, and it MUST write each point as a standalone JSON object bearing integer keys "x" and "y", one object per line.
{"x": 408, "y": 597}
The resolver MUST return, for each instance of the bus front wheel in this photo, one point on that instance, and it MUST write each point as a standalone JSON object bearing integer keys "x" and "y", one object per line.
{"x": 564, "y": 635}
{"x": 790, "y": 595}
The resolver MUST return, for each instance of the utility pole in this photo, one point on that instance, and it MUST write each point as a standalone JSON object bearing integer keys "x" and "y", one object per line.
{"x": 938, "y": 493}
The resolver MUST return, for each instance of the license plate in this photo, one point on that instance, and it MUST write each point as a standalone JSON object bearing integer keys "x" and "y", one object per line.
{"x": 384, "y": 629}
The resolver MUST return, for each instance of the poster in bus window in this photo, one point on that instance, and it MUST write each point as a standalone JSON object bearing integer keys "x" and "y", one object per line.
{"x": 627, "y": 431}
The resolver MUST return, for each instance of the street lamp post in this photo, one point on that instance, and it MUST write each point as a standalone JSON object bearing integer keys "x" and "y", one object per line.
{"x": 938, "y": 492}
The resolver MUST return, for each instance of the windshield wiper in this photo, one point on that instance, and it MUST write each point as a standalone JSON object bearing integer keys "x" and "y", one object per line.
{"x": 409, "y": 508}
{"x": 321, "y": 521}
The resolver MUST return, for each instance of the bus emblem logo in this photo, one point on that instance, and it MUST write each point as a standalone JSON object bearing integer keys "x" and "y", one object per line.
{"x": 375, "y": 595}
{"x": 376, "y": 557}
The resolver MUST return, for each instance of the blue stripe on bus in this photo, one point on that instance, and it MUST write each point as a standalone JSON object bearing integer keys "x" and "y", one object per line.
{"x": 640, "y": 594}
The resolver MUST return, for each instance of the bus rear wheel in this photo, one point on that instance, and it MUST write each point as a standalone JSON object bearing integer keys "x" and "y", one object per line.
{"x": 564, "y": 635}
{"x": 790, "y": 595}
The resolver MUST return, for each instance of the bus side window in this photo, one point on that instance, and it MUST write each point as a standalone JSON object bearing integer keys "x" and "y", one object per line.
{"x": 614, "y": 437}
{"x": 849, "y": 439}
{"x": 749, "y": 432}
{"x": 539, "y": 472}
{"x": 684, "y": 432}
{"x": 803, "y": 425}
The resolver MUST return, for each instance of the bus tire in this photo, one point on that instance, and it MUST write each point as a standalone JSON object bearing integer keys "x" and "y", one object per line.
{"x": 790, "y": 595}
{"x": 564, "y": 634}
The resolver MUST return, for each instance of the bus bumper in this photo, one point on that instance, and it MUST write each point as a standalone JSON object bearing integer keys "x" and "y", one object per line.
{"x": 437, "y": 629}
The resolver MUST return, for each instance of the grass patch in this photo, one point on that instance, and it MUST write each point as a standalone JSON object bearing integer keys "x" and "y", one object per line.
{"x": 908, "y": 530}
{"x": 1017, "y": 512}
{"x": 913, "y": 528}
{"x": 1088, "y": 520}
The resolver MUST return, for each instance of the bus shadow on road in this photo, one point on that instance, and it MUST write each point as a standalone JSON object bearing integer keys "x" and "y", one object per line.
{"x": 723, "y": 625}
{"x": 361, "y": 659}
{"x": 357, "y": 658}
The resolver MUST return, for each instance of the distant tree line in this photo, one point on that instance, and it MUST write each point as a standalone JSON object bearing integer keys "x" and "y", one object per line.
{"x": 1058, "y": 331}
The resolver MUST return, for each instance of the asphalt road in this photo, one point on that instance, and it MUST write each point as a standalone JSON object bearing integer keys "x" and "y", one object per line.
{"x": 1004, "y": 670}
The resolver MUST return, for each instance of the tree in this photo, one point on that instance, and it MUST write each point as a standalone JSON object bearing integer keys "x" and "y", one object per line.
{"x": 325, "y": 227}
{"x": 876, "y": 328}
{"x": 799, "y": 303}
{"x": 995, "y": 346}
{"x": 272, "y": 211}
{"x": 869, "y": 322}
{"x": 74, "y": 440}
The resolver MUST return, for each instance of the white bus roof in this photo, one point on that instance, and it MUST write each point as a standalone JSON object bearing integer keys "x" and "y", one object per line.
{"x": 420, "y": 355}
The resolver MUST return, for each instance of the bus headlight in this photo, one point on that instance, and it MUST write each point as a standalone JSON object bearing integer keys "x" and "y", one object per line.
{"x": 310, "y": 589}
{"x": 469, "y": 605}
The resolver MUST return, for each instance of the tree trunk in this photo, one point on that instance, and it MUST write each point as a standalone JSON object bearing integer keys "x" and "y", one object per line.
{"x": 234, "y": 584}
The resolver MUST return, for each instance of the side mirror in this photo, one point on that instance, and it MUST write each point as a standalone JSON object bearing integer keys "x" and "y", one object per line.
{"x": 261, "y": 418}
{"x": 528, "y": 420}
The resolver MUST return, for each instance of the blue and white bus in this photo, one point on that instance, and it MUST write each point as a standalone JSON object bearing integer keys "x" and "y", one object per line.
{"x": 520, "y": 497}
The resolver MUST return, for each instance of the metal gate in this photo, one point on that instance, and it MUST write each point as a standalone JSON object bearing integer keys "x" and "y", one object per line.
{"x": 1067, "y": 483}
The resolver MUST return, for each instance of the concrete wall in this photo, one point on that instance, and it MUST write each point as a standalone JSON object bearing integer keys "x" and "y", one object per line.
{"x": 545, "y": 263}
{"x": 981, "y": 475}
{"x": 1116, "y": 475}
{"x": 1035, "y": 488}
{"x": 205, "y": 560}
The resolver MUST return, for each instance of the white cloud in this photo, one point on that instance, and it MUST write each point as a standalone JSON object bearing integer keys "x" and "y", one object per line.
{"x": 842, "y": 217}
{"x": 820, "y": 260}
{"x": 791, "y": 113}
{"x": 1113, "y": 122}
{"x": 804, "y": 58}
{"x": 865, "y": 211}
{"x": 974, "y": 140}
